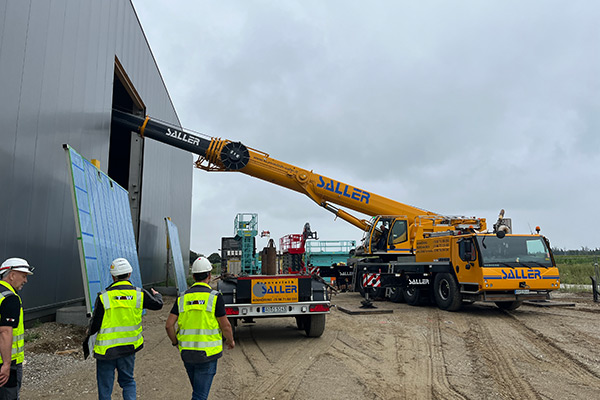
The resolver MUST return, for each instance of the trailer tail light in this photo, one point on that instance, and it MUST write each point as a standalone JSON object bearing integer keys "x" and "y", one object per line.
{"x": 232, "y": 311}
{"x": 319, "y": 308}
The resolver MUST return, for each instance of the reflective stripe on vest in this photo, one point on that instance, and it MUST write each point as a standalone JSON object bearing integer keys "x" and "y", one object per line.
{"x": 122, "y": 322}
{"x": 198, "y": 328}
{"x": 18, "y": 340}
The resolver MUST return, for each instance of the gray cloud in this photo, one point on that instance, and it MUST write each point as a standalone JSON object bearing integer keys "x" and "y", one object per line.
{"x": 461, "y": 108}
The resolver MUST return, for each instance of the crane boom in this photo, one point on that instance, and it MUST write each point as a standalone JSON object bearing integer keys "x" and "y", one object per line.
{"x": 224, "y": 155}
{"x": 412, "y": 252}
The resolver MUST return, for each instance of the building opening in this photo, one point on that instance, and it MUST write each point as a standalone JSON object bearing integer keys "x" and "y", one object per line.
{"x": 126, "y": 151}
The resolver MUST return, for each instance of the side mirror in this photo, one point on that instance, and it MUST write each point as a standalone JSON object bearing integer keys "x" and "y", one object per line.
{"x": 467, "y": 250}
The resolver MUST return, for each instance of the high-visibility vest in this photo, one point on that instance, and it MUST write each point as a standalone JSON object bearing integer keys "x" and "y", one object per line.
{"x": 198, "y": 328}
{"x": 122, "y": 322}
{"x": 18, "y": 341}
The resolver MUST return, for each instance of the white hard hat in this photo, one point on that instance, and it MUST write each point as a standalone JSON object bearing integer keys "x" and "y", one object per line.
{"x": 201, "y": 265}
{"x": 120, "y": 266}
{"x": 16, "y": 264}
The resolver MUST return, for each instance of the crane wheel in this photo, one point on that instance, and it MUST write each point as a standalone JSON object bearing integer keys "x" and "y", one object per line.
{"x": 413, "y": 296}
{"x": 446, "y": 292}
{"x": 396, "y": 295}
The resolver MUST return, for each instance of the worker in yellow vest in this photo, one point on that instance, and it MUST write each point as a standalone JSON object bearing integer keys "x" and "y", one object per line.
{"x": 201, "y": 324}
{"x": 14, "y": 272}
{"x": 117, "y": 320}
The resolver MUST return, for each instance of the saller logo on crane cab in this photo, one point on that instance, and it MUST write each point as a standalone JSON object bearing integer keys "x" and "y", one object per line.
{"x": 184, "y": 137}
{"x": 522, "y": 274}
{"x": 344, "y": 190}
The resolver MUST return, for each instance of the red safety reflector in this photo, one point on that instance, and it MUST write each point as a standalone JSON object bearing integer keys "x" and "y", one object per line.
{"x": 319, "y": 308}
{"x": 232, "y": 311}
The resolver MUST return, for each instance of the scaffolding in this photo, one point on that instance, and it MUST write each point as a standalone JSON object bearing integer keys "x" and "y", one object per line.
{"x": 245, "y": 230}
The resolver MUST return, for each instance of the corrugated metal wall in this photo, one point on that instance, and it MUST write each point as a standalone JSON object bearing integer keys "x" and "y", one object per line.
{"x": 56, "y": 77}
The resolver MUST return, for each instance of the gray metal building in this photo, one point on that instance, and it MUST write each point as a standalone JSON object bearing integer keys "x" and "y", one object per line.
{"x": 64, "y": 65}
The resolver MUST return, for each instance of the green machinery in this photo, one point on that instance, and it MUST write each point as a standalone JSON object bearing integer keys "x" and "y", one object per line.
{"x": 324, "y": 253}
{"x": 245, "y": 231}
{"x": 328, "y": 258}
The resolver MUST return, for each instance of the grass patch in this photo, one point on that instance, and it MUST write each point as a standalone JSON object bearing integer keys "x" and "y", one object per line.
{"x": 576, "y": 270}
{"x": 30, "y": 337}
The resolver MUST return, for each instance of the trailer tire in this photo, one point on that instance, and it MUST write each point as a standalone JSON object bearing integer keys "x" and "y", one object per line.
{"x": 412, "y": 296}
{"x": 315, "y": 325}
{"x": 446, "y": 292}
{"x": 301, "y": 322}
{"x": 509, "y": 305}
{"x": 233, "y": 323}
{"x": 396, "y": 295}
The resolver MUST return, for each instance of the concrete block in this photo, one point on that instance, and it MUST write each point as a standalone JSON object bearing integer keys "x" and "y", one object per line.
{"x": 76, "y": 315}
{"x": 166, "y": 290}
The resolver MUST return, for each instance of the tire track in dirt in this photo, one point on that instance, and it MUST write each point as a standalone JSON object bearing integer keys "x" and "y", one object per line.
{"x": 415, "y": 366}
{"x": 345, "y": 341}
{"x": 441, "y": 387}
{"x": 365, "y": 358}
{"x": 252, "y": 352}
{"x": 572, "y": 329}
{"x": 561, "y": 357}
{"x": 286, "y": 373}
{"x": 499, "y": 361}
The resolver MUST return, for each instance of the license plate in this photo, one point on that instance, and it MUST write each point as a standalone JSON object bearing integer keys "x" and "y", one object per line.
{"x": 522, "y": 291}
{"x": 274, "y": 309}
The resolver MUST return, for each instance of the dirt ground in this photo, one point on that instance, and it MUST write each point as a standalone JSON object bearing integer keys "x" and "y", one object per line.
{"x": 480, "y": 352}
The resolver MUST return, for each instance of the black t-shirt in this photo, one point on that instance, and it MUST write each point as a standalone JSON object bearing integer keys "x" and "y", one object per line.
{"x": 10, "y": 311}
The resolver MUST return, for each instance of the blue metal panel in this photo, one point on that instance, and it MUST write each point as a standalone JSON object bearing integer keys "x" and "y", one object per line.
{"x": 104, "y": 225}
{"x": 175, "y": 248}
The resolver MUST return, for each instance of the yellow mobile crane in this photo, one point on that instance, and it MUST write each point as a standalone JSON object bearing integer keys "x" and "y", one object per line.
{"x": 406, "y": 253}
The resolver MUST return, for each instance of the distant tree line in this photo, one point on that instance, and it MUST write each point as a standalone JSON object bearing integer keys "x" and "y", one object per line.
{"x": 214, "y": 258}
{"x": 584, "y": 251}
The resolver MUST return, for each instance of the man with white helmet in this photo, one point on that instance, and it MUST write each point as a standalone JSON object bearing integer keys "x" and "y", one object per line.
{"x": 117, "y": 319}
{"x": 13, "y": 273}
{"x": 201, "y": 322}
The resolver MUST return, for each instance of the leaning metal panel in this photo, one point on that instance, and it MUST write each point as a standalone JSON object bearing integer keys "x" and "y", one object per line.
{"x": 175, "y": 250}
{"x": 103, "y": 224}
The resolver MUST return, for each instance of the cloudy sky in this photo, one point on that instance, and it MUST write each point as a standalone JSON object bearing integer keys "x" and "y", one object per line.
{"x": 458, "y": 107}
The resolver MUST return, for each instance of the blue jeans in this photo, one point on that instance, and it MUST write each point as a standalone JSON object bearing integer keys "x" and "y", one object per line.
{"x": 201, "y": 376}
{"x": 105, "y": 375}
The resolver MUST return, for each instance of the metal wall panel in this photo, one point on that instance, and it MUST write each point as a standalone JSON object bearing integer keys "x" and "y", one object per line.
{"x": 56, "y": 74}
{"x": 176, "y": 258}
{"x": 103, "y": 225}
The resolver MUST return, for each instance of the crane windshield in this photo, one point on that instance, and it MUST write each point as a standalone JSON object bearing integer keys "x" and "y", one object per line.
{"x": 513, "y": 251}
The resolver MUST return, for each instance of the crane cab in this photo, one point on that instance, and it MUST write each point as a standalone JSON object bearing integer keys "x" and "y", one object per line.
{"x": 387, "y": 234}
